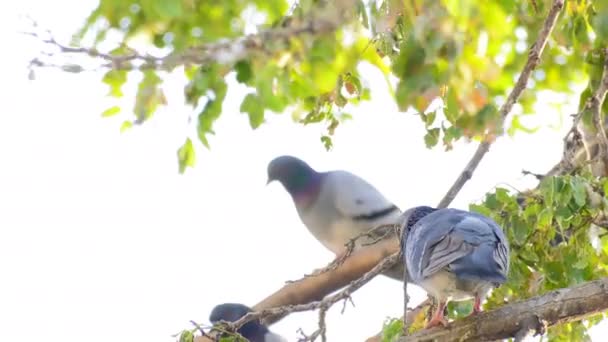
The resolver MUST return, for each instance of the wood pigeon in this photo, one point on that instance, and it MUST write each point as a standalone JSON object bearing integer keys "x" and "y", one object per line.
{"x": 254, "y": 331}
{"x": 335, "y": 206}
{"x": 453, "y": 255}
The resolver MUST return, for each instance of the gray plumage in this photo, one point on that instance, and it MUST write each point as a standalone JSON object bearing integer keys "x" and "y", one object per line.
{"x": 254, "y": 331}
{"x": 454, "y": 254}
{"x": 335, "y": 206}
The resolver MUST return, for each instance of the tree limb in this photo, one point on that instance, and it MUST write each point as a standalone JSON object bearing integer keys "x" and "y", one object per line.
{"x": 517, "y": 319}
{"x": 361, "y": 264}
{"x": 223, "y": 51}
{"x": 536, "y": 51}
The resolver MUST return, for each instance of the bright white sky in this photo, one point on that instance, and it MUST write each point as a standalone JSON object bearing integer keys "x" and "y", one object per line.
{"x": 101, "y": 237}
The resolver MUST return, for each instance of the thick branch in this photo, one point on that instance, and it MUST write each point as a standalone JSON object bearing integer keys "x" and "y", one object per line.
{"x": 536, "y": 51}
{"x": 314, "y": 288}
{"x": 535, "y": 314}
{"x": 307, "y": 293}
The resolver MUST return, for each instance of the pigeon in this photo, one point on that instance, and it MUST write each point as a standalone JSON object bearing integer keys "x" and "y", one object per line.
{"x": 453, "y": 255}
{"x": 254, "y": 331}
{"x": 335, "y": 206}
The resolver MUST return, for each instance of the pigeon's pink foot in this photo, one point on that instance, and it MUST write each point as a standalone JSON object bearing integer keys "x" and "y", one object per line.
{"x": 476, "y": 307}
{"x": 438, "y": 318}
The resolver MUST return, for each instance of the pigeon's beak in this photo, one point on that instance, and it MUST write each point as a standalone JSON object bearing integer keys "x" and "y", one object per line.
{"x": 268, "y": 181}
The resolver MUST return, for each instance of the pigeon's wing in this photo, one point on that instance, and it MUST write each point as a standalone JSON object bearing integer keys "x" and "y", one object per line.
{"x": 447, "y": 235}
{"x": 501, "y": 253}
{"x": 358, "y": 200}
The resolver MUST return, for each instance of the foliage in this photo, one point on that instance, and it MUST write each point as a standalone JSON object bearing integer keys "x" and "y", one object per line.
{"x": 551, "y": 238}
{"x": 450, "y": 49}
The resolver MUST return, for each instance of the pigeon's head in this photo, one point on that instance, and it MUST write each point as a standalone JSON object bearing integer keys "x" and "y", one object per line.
{"x": 413, "y": 215}
{"x": 295, "y": 175}
{"x": 231, "y": 312}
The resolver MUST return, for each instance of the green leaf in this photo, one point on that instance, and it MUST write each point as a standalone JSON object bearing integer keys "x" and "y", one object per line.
{"x": 243, "y": 71}
{"x": 579, "y": 192}
{"x": 431, "y": 137}
{"x": 480, "y": 209}
{"x": 326, "y": 140}
{"x": 529, "y": 255}
{"x": 392, "y": 329}
{"x": 115, "y": 79}
{"x": 521, "y": 231}
{"x": 430, "y": 118}
{"x": 110, "y": 111}
{"x": 186, "y": 156}
{"x": 186, "y": 336}
{"x": 252, "y": 106}
{"x": 149, "y": 96}
{"x": 125, "y": 126}
{"x": 545, "y": 217}
{"x": 452, "y": 109}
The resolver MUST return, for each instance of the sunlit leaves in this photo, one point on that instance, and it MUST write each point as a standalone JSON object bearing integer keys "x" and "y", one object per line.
{"x": 254, "y": 108}
{"x": 115, "y": 79}
{"x": 111, "y": 111}
{"x": 149, "y": 96}
{"x": 548, "y": 231}
{"x": 392, "y": 329}
{"x": 186, "y": 336}
{"x": 186, "y": 156}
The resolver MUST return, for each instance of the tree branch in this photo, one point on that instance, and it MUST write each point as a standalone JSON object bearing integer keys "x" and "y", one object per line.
{"x": 364, "y": 263}
{"x": 517, "y": 319}
{"x": 223, "y": 51}
{"x": 536, "y": 51}
{"x": 573, "y": 141}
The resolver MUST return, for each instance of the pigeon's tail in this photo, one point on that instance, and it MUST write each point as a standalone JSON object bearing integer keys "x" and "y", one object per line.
{"x": 479, "y": 265}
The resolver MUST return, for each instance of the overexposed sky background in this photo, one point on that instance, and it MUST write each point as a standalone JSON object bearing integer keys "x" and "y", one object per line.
{"x": 101, "y": 237}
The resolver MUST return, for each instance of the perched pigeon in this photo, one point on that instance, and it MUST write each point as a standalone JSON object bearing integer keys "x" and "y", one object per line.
{"x": 335, "y": 206}
{"x": 454, "y": 255}
{"x": 254, "y": 331}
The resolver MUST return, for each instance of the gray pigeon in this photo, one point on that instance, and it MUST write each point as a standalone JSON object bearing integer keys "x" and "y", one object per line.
{"x": 335, "y": 206}
{"x": 454, "y": 255}
{"x": 254, "y": 331}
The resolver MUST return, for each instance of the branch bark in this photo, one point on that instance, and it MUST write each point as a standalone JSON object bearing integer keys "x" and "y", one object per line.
{"x": 314, "y": 288}
{"x": 534, "y": 314}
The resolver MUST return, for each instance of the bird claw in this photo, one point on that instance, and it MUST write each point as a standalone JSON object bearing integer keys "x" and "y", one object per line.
{"x": 437, "y": 321}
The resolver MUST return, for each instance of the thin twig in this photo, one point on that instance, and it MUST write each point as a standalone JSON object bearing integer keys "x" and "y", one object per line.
{"x": 199, "y": 328}
{"x": 534, "y": 55}
{"x": 406, "y": 297}
{"x": 538, "y": 176}
{"x": 350, "y": 246}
